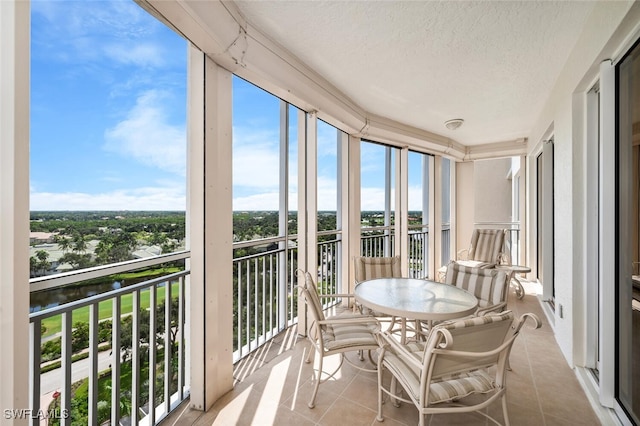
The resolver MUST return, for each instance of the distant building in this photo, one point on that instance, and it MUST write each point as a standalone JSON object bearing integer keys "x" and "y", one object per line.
{"x": 41, "y": 237}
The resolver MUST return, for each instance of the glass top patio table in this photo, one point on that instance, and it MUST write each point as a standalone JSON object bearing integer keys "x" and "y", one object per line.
{"x": 416, "y": 298}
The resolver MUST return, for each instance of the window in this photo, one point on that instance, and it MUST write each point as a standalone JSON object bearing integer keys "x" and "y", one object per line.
{"x": 378, "y": 176}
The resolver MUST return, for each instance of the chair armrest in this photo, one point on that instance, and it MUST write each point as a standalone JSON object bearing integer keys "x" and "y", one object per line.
{"x": 497, "y": 308}
{"x": 350, "y": 320}
{"x": 336, "y": 295}
{"x": 523, "y": 318}
{"x": 386, "y": 341}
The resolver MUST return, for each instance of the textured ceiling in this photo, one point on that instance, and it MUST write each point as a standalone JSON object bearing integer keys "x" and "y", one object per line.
{"x": 492, "y": 63}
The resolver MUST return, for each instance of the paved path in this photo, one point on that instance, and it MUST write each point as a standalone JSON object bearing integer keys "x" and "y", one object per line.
{"x": 51, "y": 381}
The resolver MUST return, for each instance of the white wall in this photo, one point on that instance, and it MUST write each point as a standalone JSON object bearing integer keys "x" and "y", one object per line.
{"x": 465, "y": 203}
{"x": 492, "y": 187}
{"x": 565, "y": 114}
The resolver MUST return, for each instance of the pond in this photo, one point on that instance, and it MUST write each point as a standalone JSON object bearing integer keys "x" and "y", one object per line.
{"x": 45, "y": 299}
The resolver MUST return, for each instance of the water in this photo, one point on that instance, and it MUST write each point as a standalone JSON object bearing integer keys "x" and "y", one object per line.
{"x": 58, "y": 296}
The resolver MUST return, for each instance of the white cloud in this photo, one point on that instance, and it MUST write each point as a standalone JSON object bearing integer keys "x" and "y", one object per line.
{"x": 372, "y": 199}
{"x": 255, "y": 166}
{"x": 149, "y": 198}
{"x": 264, "y": 201}
{"x": 143, "y": 54}
{"x": 147, "y": 136}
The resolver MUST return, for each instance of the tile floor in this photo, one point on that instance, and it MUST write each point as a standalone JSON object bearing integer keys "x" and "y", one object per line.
{"x": 272, "y": 387}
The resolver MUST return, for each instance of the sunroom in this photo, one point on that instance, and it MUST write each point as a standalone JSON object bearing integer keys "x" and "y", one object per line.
{"x": 546, "y": 149}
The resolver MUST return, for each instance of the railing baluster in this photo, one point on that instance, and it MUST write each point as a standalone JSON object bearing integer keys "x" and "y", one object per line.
{"x": 65, "y": 401}
{"x": 264, "y": 295}
{"x": 135, "y": 357}
{"x": 115, "y": 361}
{"x": 152, "y": 353}
{"x": 181, "y": 342}
{"x": 168, "y": 348}
{"x": 248, "y": 303}
{"x": 256, "y": 280}
{"x": 93, "y": 363}
{"x": 239, "y": 310}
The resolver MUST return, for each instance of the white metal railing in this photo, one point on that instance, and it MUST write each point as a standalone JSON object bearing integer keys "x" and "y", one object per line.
{"x": 265, "y": 300}
{"x": 377, "y": 241}
{"x": 157, "y": 338}
{"x": 418, "y": 251}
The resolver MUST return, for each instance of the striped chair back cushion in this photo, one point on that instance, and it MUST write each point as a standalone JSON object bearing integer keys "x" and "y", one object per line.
{"x": 310, "y": 293}
{"x": 368, "y": 268}
{"x": 477, "y": 334}
{"x": 486, "y": 245}
{"x": 488, "y": 285}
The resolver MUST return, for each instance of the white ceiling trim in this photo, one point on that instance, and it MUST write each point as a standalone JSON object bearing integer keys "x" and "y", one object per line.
{"x": 219, "y": 30}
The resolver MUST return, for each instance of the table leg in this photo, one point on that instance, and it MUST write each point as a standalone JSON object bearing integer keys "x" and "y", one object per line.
{"x": 519, "y": 287}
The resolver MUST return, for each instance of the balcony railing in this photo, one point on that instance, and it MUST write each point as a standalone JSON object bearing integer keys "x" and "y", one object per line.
{"x": 145, "y": 374}
{"x": 418, "y": 251}
{"x": 265, "y": 298}
{"x": 377, "y": 241}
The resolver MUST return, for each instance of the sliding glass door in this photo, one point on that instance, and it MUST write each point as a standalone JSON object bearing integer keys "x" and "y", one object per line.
{"x": 628, "y": 232}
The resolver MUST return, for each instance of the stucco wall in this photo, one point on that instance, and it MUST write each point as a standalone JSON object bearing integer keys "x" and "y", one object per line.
{"x": 492, "y": 186}
{"x": 565, "y": 118}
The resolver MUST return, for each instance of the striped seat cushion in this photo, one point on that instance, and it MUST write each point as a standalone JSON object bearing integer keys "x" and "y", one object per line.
{"x": 347, "y": 335}
{"x": 444, "y": 388}
{"x": 465, "y": 384}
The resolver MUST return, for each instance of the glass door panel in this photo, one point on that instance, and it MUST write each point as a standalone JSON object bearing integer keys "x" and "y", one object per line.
{"x": 628, "y": 230}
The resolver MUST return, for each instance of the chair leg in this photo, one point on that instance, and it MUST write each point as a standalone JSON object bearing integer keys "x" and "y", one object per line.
{"x": 393, "y": 389}
{"x": 504, "y": 410}
{"x": 379, "y": 417}
{"x": 312, "y": 349}
{"x": 318, "y": 377}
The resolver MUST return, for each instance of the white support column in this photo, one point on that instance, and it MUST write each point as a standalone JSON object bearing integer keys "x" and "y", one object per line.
{"x": 210, "y": 220}
{"x": 307, "y": 205}
{"x": 344, "y": 225}
{"x": 522, "y": 209}
{"x": 387, "y": 199}
{"x": 353, "y": 232}
{"x": 15, "y": 28}
{"x": 453, "y": 219}
{"x": 283, "y": 206}
{"x": 402, "y": 209}
{"x": 303, "y": 262}
{"x": 311, "y": 194}
{"x": 431, "y": 213}
{"x": 436, "y": 229}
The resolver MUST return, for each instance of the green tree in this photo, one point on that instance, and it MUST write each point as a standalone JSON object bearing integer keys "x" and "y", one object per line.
{"x": 43, "y": 263}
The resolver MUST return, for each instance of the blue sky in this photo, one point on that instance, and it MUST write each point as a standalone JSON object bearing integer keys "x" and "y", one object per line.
{"x": 108, "y": 113}
{"x": 108, "y": 106}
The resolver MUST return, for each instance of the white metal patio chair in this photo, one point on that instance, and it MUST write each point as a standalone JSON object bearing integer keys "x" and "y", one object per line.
{"x": 337, "y": 334}
{"x": 369, "y": 268}
{"x": 486, "y": 250}
{"x": 459, "y": 358}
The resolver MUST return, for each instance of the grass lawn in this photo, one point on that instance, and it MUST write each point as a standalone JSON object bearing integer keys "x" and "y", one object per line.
{"x": 54, "y": 324}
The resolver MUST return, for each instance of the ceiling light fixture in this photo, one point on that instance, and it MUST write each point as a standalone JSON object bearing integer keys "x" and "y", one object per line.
{"x": 454, "y": 124}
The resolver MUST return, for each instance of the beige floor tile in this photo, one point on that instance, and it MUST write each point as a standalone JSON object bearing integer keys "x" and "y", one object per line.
{"x": 273, "y": 385}
{"x": 345, "y": 412}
